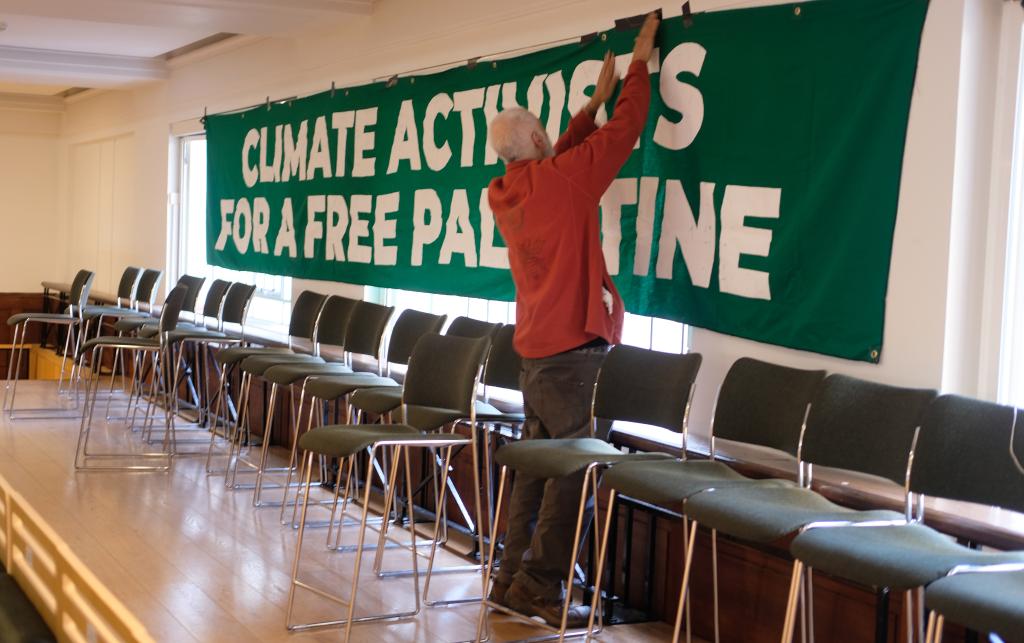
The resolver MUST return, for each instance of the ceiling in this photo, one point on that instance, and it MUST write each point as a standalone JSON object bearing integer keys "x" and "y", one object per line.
{"x": 50, "y": 46}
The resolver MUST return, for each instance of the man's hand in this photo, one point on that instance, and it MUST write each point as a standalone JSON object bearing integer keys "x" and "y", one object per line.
{"x": 645, "y": 40}
{"x": 607, "y": 80}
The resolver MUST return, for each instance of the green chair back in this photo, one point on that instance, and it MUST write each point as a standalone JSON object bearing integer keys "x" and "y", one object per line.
{"x": 864, "y": 426}
{"x": 469, "y": 327}
{"x": 193, "y": 285}
{"x": 128, "y": 283}
{"x": 304, "y": 314}
{"x": 645, "y": 386}
{"x": 410, "y": 326}
{"x": 443, "y": 372}
{"x": 333, "y": 325}
{"x": 366, "y": 329}
{"x": 80, "y": 287}
{"x": 764, "y": 404}
{"x": 236, "y": 303}
{"x": 149, "y": 283}
{"x": 215, "y": 298}
{"x": 172, "y": 308}
{"x": 503, "y": 362}
{"x": 964, "y": 452}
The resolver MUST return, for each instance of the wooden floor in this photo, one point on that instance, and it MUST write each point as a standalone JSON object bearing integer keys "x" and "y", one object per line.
{"x": 196, "y": 562}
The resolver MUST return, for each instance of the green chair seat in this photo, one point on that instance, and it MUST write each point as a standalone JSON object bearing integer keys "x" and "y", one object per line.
{"x": 90, "y": 312}
{"x": 342, "y": 440}
{"x": 58, "y": 318}
{"x": 285, "y": 374}
{"x": 486, "y": 412}
{"x": 670, "y": 482}
{"x": 377, "y": 400}
{"x": 194, "y": 334}
{"x": 133, "y": 342}
{"x": 331, "y": 387}
{"x": 560, "y": 458}
{"x": 237, "y": 354}
{"x": 770, "y": 509}
{"x": 129, "y": 324}
{"x": 985, "y": 602}
{"x": 258, "y": 364}
{"x": 899, "y": 557}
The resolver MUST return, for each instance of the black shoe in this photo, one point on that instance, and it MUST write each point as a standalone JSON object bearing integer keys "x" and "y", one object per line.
{"x": 550, "y": 611}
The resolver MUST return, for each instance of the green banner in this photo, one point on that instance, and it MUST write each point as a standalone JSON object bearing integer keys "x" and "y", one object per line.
{"x": 760, "y": 201}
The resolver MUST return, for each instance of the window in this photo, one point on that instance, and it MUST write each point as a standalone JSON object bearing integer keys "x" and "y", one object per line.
{"x": 271, "y": 306}
{"x": 1010, "y": 133}
{"x": 645, "y": 332}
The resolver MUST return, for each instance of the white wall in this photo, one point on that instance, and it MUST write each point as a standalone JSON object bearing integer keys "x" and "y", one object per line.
{"x": 404, "y": 34}
{"x": 28, "y": 197}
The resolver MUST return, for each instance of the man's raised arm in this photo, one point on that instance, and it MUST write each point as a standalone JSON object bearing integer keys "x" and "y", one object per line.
{"x": 594, "y": 162}
{"x": 582, "y": 124}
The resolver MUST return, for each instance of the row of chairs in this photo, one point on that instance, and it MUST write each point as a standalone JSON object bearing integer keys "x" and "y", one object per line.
{"x": 949, "y": 447}
{"x": 908, "y": 436}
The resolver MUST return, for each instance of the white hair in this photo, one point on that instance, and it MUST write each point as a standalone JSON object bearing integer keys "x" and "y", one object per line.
{"x": 510, "y": 133}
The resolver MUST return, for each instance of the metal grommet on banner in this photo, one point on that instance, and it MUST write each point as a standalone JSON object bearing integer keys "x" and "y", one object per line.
{"x": 874, "y": 355}
{"x": 203, "y": 119}
{"x": 412, "y": 80}
{"x": 796, "y": 11}
{"x": 494, "y": 65}
{"x": 604, "y": 37}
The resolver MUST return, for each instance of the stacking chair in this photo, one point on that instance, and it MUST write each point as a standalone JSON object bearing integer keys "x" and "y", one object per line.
{"x": 357, "y": 327}
{"x": 854, "y": 425}
{"x": 759, "y": 404}
{"x": 136, "y": 286}
{"x": 233, "y": 309}
{"x": 126, "y": 288}
{"x": 380, "y": 401}
{"x": 985, "y": 599}
{"x": 426, "y": 398}
{"x": 72, "y": 318}
{"x": 157, "y": 350}
{"x": 211, "y": 313}
{"x": 633, "y": 385}
{"x": 301, "y": 328}
{"x": 193, "y": 286}
{"x": 321, "y": 389}
{"x": 963, "y": 452}
{"x": 225, "y": 303}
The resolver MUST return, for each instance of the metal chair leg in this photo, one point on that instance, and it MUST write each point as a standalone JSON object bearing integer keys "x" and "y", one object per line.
{"x": 602, "y": 557}
{"x": 795, "y": 586}
{"x": 684, "y": 591}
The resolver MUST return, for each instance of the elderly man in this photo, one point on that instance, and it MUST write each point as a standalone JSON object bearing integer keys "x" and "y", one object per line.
{"x": 568, "y": 311}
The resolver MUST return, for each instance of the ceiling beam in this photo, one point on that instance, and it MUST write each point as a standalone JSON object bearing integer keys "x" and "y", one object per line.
{"x": 90, "y": 70}
{"x": 258, "y": 17}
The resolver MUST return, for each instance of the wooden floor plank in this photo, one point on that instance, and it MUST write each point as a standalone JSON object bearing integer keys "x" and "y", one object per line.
{"x": 195, "y": 561}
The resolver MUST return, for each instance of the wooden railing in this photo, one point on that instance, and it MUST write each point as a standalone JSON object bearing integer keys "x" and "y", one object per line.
{"x": 72, "y": 601}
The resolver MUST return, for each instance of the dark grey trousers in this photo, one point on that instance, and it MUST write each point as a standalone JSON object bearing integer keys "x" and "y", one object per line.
{"x": 557, "y": 393}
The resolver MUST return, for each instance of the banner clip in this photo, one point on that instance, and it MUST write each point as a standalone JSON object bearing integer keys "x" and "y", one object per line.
{"x": 203, "y": 119}
{"x": 391, "y": 81}
{"x": 471, "y": 63}
{"x": 587, "y": 37}
{"x": 268, "y": 103}
{"x": 332, "y": 89}
{"x": 687, "y": 15}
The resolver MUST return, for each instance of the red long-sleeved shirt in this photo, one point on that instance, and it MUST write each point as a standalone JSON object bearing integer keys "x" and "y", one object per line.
{"x": 547, "y": 211}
